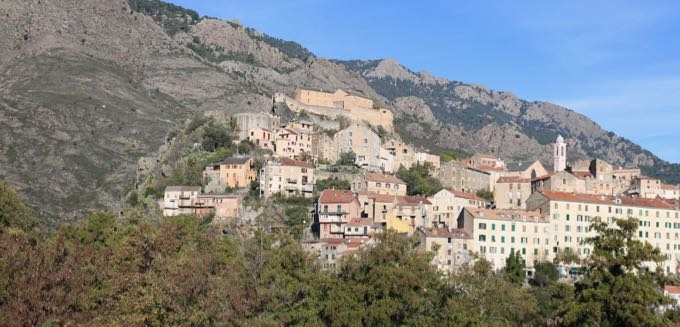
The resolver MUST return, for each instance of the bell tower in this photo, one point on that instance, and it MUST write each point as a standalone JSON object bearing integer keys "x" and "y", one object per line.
{"x": 560, "y": 154}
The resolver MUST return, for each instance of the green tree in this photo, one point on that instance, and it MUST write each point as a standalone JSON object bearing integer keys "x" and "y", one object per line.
{"x": 14, "y": 213}
{"x": 419, "y": 181}
{"x": 514, "y": 268}
{"x": 472, "y": 297}
{"x": 347, "y": 158}
{"x": 618, "y": 289}
{"x": 568, "y": 257}
{"x": 486, "y": 195}
{"x": 214, "y": 136}
{"x": 332, "y": 183}
{"x": 391, "y": 282}
{"x": 545, "y": 273}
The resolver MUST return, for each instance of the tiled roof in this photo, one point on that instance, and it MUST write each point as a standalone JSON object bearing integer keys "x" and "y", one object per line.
{"x": 606, "y": 199}
{"x": 498, "y": 214}
{"x": 513, "y": 179}
{"x": 382, "y": 178}
{"x": 669, "y": 187}
{"x": 465, "y": 195}
{"x": 336, "y": 196}
{"x": 399, "y": 199}
{"x": 235, "y": 160}
{"x": 671, "y": 289}
{"x": 297, "y": 163}
{"x": 446, "y": 232}
{"x": 183, "y": 189}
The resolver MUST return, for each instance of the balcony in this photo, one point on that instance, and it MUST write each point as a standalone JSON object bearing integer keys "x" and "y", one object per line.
{"x": 291, "y": 180}
{"x": 308, "y": 188}
{"x": 332, "y": 217}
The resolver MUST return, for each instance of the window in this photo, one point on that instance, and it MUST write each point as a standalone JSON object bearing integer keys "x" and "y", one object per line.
{"x": 503, "y": 227}
{"x": 482, "y": 238}
{"x": 482, "y": 226}
{"x": 493, "y": 226}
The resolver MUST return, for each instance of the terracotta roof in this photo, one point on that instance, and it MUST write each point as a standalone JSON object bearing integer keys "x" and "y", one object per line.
{"x": 669, "y": 187}
{"x": 360, "y": 222}
{"x": 513, "y": 179}
{"x": 400, "y": 199}
{"x": 606, "y": 199}
{"x": 465, "y": 195}
{"x": 376, "y": 177}
{"x": 498, "y": 214}
{"x": 458, "y": 233}
{"x": 671, "y": 289}
{"x": 336, "y": 196}
{"x": 297, "y": 163}
{"x": 544, "y": 177}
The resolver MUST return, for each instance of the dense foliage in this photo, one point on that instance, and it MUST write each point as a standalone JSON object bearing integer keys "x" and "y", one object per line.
{"x": 419, "y": 180}
{"x": 171, "y": 17}
{"x": 332, "y": 183}
{"x": 110, "y": 270}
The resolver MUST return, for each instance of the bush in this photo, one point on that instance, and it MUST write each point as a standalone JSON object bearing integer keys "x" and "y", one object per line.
{"x": 419, "y": 181}
{"x": 347, "y": 158}
{"x": 332, "y": 183}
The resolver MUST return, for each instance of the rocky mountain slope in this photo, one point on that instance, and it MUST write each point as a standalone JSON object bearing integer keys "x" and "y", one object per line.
{"x": 87, "y": 88}
{"x": 474, "y": 118}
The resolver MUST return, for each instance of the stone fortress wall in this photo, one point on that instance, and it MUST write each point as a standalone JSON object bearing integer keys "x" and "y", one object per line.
{"x": 336, "y": 104}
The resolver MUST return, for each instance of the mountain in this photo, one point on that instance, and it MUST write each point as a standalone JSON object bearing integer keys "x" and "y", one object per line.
{"x": 474, "y": 118}
{"x": 88, "y": 88}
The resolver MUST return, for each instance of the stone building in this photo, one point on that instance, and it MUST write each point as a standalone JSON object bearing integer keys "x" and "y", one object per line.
{"x": 287, "y": 177}
{"x": 512, "y": 192}
{"x": 363, "y": 141}
{"x": 245, "y": 121}
{"x": 447, "y": 205}
{"x": 450, "y": 247}
{"x": 379, "y": 184}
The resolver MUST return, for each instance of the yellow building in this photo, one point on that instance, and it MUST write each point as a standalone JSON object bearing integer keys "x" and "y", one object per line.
{"x": 363, "y": 141}
{"x": 234, "y": 172}
{"x": 262, "y": 138}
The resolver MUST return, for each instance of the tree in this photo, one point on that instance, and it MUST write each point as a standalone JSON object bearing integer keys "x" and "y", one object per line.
{"x": 486, "y": 195}
{"x": 567, "y": 256}
{"x": 332, "y": 183}
{"x": 390, "y": 282}
{"x": 514, "y": 268}
{"x": 620, "y": 287}
{"x": 347, "y": 158}
{"x": 545, "y": 273}
{"x": 419, "y": 181}
{"x": 214, "y": 136}
{"x": 14, "y": 213}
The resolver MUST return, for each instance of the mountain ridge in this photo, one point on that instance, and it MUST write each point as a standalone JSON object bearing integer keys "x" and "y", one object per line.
{"x": 88, "y": 89}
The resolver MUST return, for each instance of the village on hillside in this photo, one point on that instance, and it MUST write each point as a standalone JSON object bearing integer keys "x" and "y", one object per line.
{"x": 472, "y": 207}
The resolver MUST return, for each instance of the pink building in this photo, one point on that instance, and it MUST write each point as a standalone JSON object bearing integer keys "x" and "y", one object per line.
{"x": 335, "y": 209}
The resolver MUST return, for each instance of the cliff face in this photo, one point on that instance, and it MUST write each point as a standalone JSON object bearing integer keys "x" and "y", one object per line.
{"x": 474, "y": 118}
{"x": 87, "y": 88}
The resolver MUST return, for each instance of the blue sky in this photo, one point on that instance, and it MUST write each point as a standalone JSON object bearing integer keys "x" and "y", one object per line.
{"x": 618, "y": 62}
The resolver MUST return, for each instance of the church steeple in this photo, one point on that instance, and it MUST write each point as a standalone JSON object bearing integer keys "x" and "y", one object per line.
{"x": 560, "y": 154}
